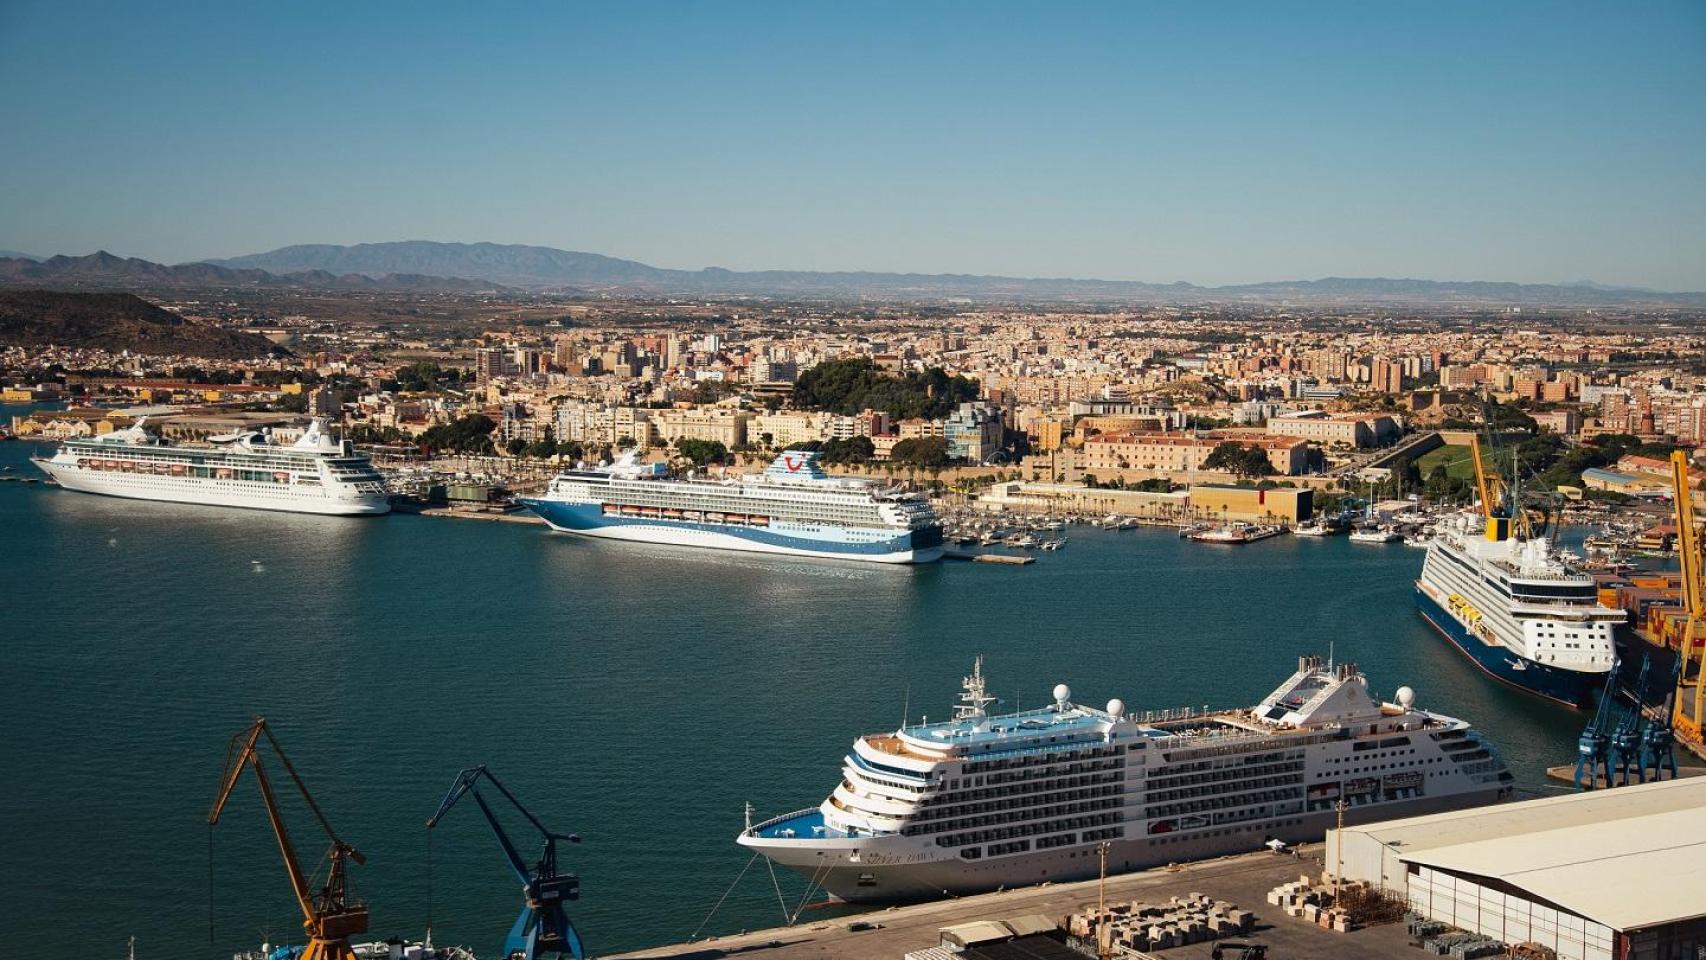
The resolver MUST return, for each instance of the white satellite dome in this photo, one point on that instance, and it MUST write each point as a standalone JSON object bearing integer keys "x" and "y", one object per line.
{"x": 1116, "y": 707}
{"x": 1062, "y": 693}
{"x": 1406, "y": 697}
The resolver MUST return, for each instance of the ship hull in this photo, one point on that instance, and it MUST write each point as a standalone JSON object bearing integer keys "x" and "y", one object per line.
{"x": 588, "y": 520}
{"x": 827, "y": 864}
{"x": 215, "y": 493}
{"x": 1570, "y": 688}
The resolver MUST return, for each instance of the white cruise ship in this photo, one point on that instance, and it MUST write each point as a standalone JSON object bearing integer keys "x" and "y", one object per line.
{"x": 1516, "y": 609}
{"x": 792, "y": 508}
{"x": 319, "y": 473}
{"x": 981, "y": 801}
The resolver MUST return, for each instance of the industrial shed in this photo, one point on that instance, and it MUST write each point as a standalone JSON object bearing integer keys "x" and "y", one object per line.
{"x": 1608, "y": 875}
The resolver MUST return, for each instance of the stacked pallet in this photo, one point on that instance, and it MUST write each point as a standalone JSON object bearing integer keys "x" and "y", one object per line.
{"x": 1462, "y": 946}
{"x": 1182, "y": 920}
{"x": 1307, "y": 900}
{"x": 1443, "y": 940}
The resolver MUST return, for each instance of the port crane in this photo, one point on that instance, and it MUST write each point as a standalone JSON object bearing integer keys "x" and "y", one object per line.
{"x": 1626, "y": 739}
{"x": 329, "y": 915}
{"x": 1690, "y": 693}
{"x": 543, "y": 928}
{"x": 1500, "y": 498}
{"x": 1658, "y": 752}
{"x": 1592, "y": 747}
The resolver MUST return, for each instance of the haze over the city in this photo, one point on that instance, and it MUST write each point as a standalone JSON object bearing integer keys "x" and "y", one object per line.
{"x": 1525, "y": 142}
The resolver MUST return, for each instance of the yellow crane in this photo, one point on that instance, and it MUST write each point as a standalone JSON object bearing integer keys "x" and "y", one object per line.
{"x": 1689, "y": 686}
{"x": 1487, "y": 483}
{"x": 329, "y": 916}
{"x": 1501, "y": 503}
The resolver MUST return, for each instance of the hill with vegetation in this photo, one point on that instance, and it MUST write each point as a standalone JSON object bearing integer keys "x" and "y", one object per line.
{"x": 118, "y": 321}
{"x": 849, "y": 386}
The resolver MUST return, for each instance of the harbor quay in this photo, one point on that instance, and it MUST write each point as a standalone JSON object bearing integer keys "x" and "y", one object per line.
{"x": 1243, "y": 880}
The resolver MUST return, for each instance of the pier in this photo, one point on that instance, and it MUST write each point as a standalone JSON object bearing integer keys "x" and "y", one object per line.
{"x": 1244, "y": 880}
{"x": 1009, "y": 559}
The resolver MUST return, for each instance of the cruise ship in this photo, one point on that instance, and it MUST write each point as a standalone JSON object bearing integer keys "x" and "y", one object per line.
{"x": 318, "y": 473}
{"x": 1511, "y": 605}
{"x": 982, "y": 802}
{"x": 792, "y": 508}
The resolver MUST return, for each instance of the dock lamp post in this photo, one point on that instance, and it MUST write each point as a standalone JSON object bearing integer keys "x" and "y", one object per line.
{"x": 1104, "y": 943}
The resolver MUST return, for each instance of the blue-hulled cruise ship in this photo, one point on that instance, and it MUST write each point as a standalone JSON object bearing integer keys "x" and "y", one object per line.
{"x": 985, "y": 801}
{"x": 793, "y": 508}
{"x": 1516, "y": 609}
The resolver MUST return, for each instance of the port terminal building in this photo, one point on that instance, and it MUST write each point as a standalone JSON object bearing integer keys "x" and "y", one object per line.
{"x": 1615, "y": 874}
{"x": 1288, "y": 505}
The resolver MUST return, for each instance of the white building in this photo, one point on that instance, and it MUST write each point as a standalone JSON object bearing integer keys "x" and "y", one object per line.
{"x": 1608, "y": 875}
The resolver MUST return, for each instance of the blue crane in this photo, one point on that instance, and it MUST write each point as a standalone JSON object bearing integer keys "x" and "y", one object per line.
{"x": 1657, "y": 742}
{"x": 1591, "y": 746}
{"x": 1625, "y": 751}
{"x": 543, "y": 928}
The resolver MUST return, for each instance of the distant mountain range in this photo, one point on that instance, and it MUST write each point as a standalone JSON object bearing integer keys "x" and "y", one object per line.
{"x": 420, "y": 266}
{"x": 546, "y": 268}
{"x": 104, "y": 271}
{"x": 118, "y": 321}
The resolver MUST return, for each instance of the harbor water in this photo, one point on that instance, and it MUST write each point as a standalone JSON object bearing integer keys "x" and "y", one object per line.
{"x": 638, "y": 696}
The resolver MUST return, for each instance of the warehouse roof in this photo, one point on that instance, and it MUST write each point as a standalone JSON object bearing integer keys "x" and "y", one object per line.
{"x": 1628, "y": 874}
{"x": 1629, "y": 858}
{"x": 1609, "y": 476}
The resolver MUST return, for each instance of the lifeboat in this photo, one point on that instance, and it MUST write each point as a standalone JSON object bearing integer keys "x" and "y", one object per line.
{"x": 179, "y": 469}
{"x": 758, "y": 521}
{"x": 609, "y": 509}
{"x": 223, "y": 473}
{"x": 282, "y": 476}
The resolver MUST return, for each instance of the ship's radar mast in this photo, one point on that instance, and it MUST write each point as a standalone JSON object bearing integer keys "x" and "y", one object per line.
{"x": 975, "y": 697}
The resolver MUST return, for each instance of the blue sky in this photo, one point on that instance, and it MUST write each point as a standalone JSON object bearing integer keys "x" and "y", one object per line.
{"x": 1212, "y": 142}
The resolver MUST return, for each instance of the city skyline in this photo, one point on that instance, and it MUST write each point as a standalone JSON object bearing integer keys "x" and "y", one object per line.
{"x": 1533, "y": 144}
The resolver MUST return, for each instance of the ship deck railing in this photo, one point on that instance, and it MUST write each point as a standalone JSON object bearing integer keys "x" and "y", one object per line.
{"x": 757, "y": 828}
{"x": 1584, "y": 610}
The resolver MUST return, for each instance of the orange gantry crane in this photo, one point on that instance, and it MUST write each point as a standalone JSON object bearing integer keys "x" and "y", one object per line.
{"x": 329, "y": 916}
{"x": 1691, "y": 673}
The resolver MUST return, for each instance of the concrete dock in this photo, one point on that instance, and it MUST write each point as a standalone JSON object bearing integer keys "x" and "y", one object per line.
{"x": 1010, "y": 559}
{"x": 1566, "y": 773}
{"x": 1244, "y": 880}
{"x": 520, "y": 516}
